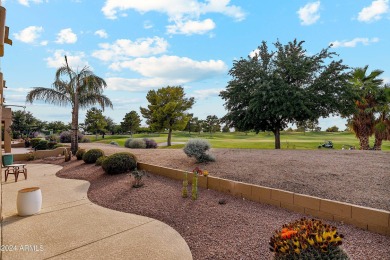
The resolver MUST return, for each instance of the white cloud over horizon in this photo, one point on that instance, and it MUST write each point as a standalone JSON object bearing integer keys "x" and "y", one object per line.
{"x": 374, "y": 12}
{"x": 27, "y": 2}
{"x": 123, "y": 49}
{"x": 76, "y": 60}
{"x": 101, "y": 33}
{"x": 66, "y": 36}
{"x": 174, "y": 8}
{"x": 191, "y": 27}
{"x": 29, "y": 34}
{"x": 183, "y": 13}
{"x": 182, "y": 69}
{"x": 308, "y": 14}
{"x": 138, "y": 84}
{"x": 354, "y": 42}
{"x": 205, "y": 93}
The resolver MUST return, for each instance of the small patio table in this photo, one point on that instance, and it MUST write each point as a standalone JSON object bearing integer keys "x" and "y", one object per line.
{"x": 15, "y": 169}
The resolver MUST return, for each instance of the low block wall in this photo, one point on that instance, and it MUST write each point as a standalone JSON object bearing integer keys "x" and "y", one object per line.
{"x": 374, "y": 220}
{"x": 42, "y": 154}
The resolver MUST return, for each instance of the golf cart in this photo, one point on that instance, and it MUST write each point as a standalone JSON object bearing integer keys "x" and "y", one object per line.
{"x": 326, "y": 144}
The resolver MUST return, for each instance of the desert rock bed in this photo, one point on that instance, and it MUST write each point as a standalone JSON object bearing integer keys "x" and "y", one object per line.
{"x": 241, "y": 229}
{"x": 357, "y": 177}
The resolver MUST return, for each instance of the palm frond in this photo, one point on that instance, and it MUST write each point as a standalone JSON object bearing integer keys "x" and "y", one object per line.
{"x": 49, "y": 95}
{"x": 91, "y": 99}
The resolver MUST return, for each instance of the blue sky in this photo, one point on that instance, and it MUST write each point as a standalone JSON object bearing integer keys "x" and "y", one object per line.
{"x": 141, "y": 45}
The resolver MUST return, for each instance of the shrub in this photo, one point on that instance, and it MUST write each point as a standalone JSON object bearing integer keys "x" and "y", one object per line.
{"x": 119, "y": 163}
{"x": 80, "y": 153}
{"x": 42, "y": 145}
{"x": 100, "y": 160}
{"x": 307, "y": 239}
{"x": 135, "y": 143}
{"x": 53, "y": 138}
{"x": 65, "y": 136}
{"x": 85, "y": 140}
{"x": 51, "y": 145}
{"x": 34, "y": 142}
{"x": 92, "y": 155}
{"x": 59, "y": 145}
{"x": 137, "y": 178}
{"x": 127, "y": 142}
{"x": 197, "y": 148}
{"x": 150, "y": 143}
{"x": 114, "y": 143}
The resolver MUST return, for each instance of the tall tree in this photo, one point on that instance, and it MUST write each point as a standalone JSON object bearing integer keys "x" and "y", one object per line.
{"x": 167, "y": 109}
{"x": 368, "y": 89}
{"x": 111, "y": 126}
{"x": 274, "y": 88}
{"x": 94, "y": 121}
{"x": 80, "y": 89}
{"x": 57, "y": 126}
{"x": 23, "y": 123}
{"x": 382, "y": 122}
{"x": 307, "y": 125}
{"x": 211, "y": 124}
{"x": 131, "y": 122}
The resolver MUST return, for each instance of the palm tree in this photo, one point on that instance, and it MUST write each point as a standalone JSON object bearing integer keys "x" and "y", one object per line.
{"x": 367, "y": 87}
{"x": 82, "y": 90}
{"x": 382, "y": 123}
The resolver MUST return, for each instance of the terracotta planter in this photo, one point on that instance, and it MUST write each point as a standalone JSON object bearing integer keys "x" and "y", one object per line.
{"x": 29, "y": 201}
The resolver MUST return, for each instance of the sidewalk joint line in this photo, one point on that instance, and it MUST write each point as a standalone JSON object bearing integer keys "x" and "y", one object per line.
{"x": 109, "y": 236}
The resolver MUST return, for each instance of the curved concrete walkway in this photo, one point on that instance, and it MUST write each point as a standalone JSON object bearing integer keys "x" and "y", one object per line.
{"x": 70, "y": 226}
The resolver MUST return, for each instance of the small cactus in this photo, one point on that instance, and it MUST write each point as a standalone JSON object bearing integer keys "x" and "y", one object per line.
{"x": 307, "y": 239}
{"x": 184, "y": 193}
{"x": 195, "y": 187}
{"x": 68, "y": 156}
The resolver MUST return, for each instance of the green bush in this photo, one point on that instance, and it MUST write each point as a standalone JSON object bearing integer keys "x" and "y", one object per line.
{"x": 197, "y": 148}
{"x": 42, "y": 145}
{"x": 119, "y": 163}
{"x": 100, "y": 160}
{"x": 59, "y": 145}
{"x": 135, "y": 143}
{"x": 34, "y": 142}
{"x": 80, "y": 153}
{"x": 92, "y": 155}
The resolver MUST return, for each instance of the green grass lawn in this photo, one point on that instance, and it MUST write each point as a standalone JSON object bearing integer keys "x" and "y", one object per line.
{"x": 289, "y": 140}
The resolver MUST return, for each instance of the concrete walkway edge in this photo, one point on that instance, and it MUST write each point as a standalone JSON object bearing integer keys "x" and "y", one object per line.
{"x": 70, "y": 226}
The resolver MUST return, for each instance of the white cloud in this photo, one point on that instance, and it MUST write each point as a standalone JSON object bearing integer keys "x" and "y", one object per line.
{"x": 354, "y": 42}
{"x": 191, "y": 27}
{"x": 123, "y": 49}
{"x": 66, "y": 36}
{"x": 173, "y": 67}
{"x": 29, "y": 34}
{"x": 374, "y": 11}
{"x": 19, "y": 90}
{"x": 44, "y": 43}
{"x": 205, "y": 93}
{"x": 101, "y": 33}
{"x": 76, "y": 60}
{"x": 27, "y": 2}
{"x": 138, "y": 85}
{"x": 309, "y": 13}
{"x": 174, "y": 8}
{"x": 148, "y": 25}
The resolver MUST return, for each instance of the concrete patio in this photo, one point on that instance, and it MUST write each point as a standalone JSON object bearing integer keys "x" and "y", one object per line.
{"x": 70, "y": 226}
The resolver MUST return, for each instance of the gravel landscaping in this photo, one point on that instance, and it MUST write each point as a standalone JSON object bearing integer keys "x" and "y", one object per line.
{"x": 241, "y": 229}
{"x": 357, "y": 177}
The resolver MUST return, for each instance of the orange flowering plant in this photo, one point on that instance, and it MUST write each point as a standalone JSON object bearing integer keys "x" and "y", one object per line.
{"x": 307, "y": 239}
